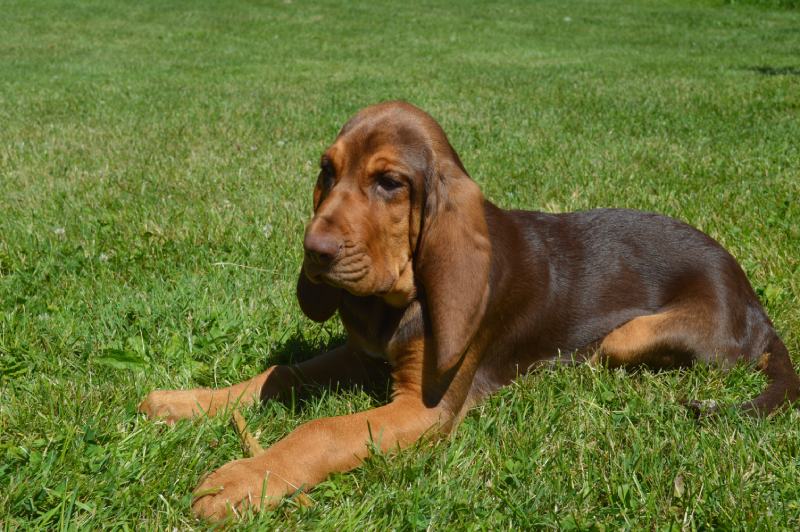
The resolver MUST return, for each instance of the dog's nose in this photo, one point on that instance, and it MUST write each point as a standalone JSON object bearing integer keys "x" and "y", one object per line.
{"x": 321, "y": 248}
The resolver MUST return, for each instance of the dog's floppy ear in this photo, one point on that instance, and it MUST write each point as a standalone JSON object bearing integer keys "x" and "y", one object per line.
{"x": 452, "y": 262}
{"x": 318, "y": 301}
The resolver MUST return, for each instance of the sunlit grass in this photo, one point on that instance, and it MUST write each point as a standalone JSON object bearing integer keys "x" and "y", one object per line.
{"x": 156, "y": 164}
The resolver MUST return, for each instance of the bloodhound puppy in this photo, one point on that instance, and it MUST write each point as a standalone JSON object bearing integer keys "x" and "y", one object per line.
{"x": 451, "y": 298}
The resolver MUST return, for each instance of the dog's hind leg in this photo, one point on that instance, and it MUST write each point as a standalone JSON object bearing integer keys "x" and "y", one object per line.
{"x": 672, "y": 338}
{"x": 682, "y": 335}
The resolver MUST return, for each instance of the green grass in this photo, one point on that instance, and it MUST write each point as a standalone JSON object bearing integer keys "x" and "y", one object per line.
{"x": 156, "y": 165}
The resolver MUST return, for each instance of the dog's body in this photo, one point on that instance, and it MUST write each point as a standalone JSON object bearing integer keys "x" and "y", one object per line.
{"x": 460, "y": 297}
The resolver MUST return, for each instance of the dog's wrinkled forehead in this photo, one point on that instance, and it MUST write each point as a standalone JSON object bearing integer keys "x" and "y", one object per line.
{"x": 413, "y": 135}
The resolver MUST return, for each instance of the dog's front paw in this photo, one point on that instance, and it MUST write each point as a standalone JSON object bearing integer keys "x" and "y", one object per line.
{"x": 172, "y": 405}
{"x": 238, "y": 485}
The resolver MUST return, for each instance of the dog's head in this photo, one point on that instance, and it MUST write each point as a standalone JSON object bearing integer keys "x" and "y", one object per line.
{"x": 395, "y": 213}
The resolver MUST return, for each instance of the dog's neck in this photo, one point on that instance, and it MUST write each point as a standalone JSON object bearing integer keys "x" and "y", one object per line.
{"x": 377, "y": 328}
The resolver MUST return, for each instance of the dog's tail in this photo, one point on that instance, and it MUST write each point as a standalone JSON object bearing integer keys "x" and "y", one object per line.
{"x": 783, "y": 384}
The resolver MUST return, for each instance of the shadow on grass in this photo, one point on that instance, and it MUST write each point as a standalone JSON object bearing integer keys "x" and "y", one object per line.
{"x": 297, "y": 349}
{"x": 766, "y": 70}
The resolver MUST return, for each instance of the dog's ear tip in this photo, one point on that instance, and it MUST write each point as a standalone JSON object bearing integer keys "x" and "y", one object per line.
{"x": 318, "y": 302}
{"x": 321, "y": 318}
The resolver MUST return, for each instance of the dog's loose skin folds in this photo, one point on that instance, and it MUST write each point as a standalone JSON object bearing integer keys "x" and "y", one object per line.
{"x": 460, "y": 297}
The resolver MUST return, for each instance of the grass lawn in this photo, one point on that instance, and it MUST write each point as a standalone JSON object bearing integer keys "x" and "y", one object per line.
{"x": 156, "y": 166}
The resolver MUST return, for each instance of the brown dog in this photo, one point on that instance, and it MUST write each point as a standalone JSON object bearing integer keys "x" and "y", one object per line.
{"x": 460, "y": 297}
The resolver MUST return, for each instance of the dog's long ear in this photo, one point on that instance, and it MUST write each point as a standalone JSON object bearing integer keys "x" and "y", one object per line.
{"x": 452, "y": 262}
{"x": 317, "y": 301}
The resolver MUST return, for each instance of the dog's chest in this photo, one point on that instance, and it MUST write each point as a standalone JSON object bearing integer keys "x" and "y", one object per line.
{"x": 372, "y": 325}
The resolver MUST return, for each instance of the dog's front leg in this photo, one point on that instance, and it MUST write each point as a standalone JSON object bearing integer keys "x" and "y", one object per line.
{"x": 312, "y": 452}
{"x": 342, "y": 366}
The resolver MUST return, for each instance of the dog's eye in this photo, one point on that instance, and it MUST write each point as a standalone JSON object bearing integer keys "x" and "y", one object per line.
{"x": 388, "y": 183}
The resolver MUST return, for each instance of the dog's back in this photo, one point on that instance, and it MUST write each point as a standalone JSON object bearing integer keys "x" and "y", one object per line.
{"x": 568, "y": 280}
